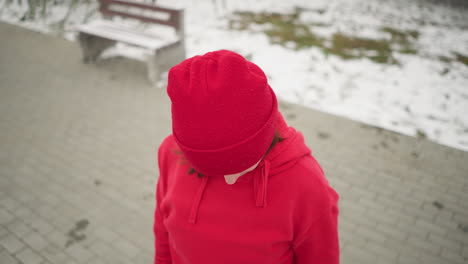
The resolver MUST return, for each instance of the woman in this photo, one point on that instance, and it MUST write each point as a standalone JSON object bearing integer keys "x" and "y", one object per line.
{"x": 237, "y": 185}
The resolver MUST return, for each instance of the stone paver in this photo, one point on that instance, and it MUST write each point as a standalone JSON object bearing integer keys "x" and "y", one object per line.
{"x": 11, "y": 243}
{"x": 27, "y": 256}
{"x": 78, "y": 167}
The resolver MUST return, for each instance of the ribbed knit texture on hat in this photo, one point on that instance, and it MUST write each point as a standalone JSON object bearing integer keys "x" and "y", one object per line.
{"x": 223, "y": 111}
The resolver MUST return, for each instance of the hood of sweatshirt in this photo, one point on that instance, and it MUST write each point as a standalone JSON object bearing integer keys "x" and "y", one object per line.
{"x": 282, "y": 156}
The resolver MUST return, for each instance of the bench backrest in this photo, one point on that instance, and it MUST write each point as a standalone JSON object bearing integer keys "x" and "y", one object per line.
{"x": 172, "y": 17}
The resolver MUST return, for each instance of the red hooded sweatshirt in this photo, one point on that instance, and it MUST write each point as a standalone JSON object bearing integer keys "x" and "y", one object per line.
{"x": 282, "y": 212}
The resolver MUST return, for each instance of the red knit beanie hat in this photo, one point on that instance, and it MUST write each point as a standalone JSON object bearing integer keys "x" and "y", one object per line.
{"x": 223, "y": 112}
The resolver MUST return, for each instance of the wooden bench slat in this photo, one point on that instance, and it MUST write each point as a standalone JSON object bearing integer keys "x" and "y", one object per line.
{"x": 173, "y": 13}
{"x": 139, "y": 17}
{"x": 123, "y": 33}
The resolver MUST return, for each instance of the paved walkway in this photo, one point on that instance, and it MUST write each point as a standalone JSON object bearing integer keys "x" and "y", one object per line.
{"x": 78, "y": 167}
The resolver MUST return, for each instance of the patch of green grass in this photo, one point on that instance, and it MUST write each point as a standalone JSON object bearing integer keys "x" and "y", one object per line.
{"x": 420, "y": 134}
{"x": 445, "y": 59}
{"x": 461, "y": 58}
{"x": 244, "y": 19}
{"x": 401, "y": 35}
{"x": 348, "y": 47}
{"x": 402, "y": 39}
{"x": 289, "y": 31}
{"x": 284, "y": 29}
{"x": 408, "y": 50}
{"x": 458, "y": 57}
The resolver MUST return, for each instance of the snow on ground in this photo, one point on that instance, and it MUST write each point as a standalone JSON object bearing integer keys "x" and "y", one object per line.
{"x": 425, "y": 94}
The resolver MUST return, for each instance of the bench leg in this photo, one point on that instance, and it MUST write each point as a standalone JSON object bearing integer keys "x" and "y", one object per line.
{"x": 162, "y": 60}
{"x": 153, "y": 69}
{"x": 173, "y": 54}
{"x": 92, "y": 46}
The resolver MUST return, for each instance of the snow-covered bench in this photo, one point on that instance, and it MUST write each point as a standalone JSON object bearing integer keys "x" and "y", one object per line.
{"x": 162, "y": 33}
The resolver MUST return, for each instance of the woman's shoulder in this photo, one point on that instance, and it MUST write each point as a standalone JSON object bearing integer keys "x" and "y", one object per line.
{"x": 306, "y": 170}
{"x": 308, "y": 178}
{"x": 167, "y": 149}
{"x": 167, "y": 143}
{"x": 310, "y": 189}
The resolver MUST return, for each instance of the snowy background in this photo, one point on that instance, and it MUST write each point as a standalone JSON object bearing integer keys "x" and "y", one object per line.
{"x": 400, "y": 64}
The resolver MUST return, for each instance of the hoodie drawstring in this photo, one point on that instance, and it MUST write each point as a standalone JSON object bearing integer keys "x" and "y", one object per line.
{"x": 196, "y": 202}
{"x": 261, "y": 183}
